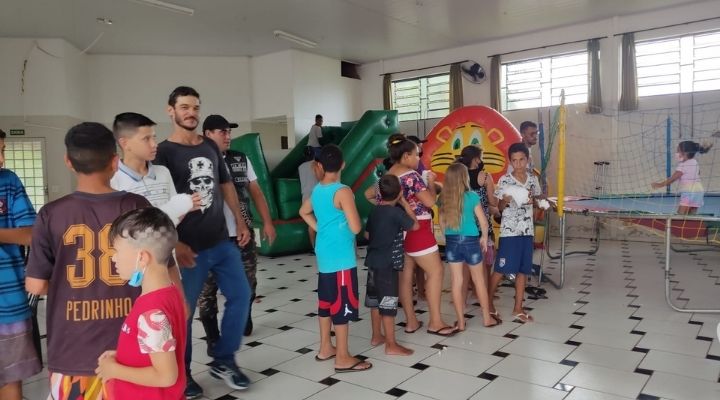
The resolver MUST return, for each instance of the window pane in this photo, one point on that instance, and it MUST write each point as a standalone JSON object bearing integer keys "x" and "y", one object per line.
{"x": 678, "y": 65}
{"x": 419, "y": 98}
{"x": 659, "y": 89}
{"x": 534, "y": 83}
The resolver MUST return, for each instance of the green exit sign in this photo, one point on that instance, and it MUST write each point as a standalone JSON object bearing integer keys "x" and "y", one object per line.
{"x": 17, "y": 132}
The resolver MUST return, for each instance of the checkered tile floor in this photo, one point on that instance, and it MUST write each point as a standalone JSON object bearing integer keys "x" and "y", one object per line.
{"x": 608, "y": 334}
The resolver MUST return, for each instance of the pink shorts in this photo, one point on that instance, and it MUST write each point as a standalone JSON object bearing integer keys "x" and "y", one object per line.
{"x": 422, "y": 241}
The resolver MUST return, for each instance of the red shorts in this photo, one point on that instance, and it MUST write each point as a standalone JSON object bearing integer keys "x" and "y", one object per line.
{"x": 422, "y": 241}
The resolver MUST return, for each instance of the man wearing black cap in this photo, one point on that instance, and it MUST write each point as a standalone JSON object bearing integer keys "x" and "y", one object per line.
{"x": 197, "y": 166}
{"x": 218, "y": 129}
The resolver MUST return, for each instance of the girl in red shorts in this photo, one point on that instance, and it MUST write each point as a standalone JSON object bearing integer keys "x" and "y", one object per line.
{"x": 420, "y": 245}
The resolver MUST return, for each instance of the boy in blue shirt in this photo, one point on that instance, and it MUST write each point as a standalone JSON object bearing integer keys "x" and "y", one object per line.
{"x": 331, "y": 212}
{"x": 19, "y": 359}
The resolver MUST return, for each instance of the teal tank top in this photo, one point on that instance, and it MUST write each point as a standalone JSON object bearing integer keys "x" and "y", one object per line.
{"x": 335, "y": 243}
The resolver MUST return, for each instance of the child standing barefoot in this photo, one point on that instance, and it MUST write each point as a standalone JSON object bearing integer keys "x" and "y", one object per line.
{"x": 459, "y": 208}
{"x": 384, "y": 229}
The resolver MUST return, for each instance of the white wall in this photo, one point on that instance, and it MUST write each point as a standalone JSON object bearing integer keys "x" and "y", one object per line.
{"x": 119, "y": 83}
{"x": 318, "y": 88}
{"x": 297, "y": 86}
{"x": 53, "y": 79}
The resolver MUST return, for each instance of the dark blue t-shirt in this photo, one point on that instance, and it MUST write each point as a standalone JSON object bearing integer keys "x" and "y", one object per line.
{"x": 385, "y": 227}
{"x": 198, "y": 169}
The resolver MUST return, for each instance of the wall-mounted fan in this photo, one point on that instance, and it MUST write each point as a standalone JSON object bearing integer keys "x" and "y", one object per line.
{"x": 473, "y": 72}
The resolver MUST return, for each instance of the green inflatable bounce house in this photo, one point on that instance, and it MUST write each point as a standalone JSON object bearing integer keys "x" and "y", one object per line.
{"x": 364, "y": 145}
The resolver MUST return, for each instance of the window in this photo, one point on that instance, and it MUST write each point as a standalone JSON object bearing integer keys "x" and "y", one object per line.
{"x": 678, "y": 65}
{"x": 25, "y": 158}
{"x": 538, "y": 82}
{"x": 422, "y": 98}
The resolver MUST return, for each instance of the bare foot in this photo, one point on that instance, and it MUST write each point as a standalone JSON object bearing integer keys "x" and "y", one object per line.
{"x": 397, "y": 350}
{"x": 377, "y": 340}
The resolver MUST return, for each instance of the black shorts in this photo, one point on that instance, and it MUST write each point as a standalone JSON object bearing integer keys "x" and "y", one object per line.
{"x": 338, "y": 296}
{"x": 382, "y": 291}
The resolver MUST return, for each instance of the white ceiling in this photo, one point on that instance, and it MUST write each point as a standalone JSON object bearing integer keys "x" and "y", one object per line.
{"x": 353, "y": 30}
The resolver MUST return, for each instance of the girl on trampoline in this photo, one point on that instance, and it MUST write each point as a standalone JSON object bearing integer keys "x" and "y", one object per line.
{"x": 688, "y": 174}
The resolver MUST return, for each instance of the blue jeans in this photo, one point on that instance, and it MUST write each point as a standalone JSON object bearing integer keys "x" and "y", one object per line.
{"x": 465, "y": 249}
{"x": 225, "y": 262}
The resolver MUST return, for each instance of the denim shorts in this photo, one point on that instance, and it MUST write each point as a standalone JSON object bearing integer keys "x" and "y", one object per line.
{"x": 465, "y": 249}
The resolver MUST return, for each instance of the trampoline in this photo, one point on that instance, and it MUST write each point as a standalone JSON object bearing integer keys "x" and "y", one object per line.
{"x": 653, "y": 211}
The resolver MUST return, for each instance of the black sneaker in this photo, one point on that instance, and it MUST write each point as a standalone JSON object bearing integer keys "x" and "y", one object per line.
{"x": 192, "y": 389}
{"x": 230, "y": 373}
{"x": 248, "y": 327}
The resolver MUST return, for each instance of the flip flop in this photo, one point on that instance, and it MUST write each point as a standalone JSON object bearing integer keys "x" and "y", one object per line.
{"x": 457, "y": 328}
{"x": 523, "y": 318}
{"x": 497, "y": 322}
{"x": 420, "y": 324}
{"x": 438, "y": 332}
{"x": 317, "y": 358}
{"x": 496, "y": 315}
{"x": 354, "y": 367}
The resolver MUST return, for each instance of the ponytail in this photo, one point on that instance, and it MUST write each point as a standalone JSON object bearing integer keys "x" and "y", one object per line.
{"x": 690, "y": 148}
{"x": 468, "y": 154}
{"x": 704, "y": 148}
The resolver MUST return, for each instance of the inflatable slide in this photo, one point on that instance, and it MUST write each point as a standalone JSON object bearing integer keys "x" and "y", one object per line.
{"x": 364, "y": 146}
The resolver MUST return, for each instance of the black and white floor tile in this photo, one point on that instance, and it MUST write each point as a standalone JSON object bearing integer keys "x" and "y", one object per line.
{"x": 608, "y": 334}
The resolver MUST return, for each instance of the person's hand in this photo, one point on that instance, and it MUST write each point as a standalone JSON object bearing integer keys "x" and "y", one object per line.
{"x": 185, "y": 256}
{"x": 195, "y": 201}
{"x": 106, "y": 365}
{"x": 507, "y": 199}
{"x": 656, "y": 185}
{"x": 269, "y": 232}
{"x": 243, "y": 235}
{"x": 431, "y": 177}
{"x": 483, "y": 243}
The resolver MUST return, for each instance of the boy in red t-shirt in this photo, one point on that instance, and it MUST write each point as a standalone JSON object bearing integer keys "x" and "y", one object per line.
{"x": 147, "y": 363}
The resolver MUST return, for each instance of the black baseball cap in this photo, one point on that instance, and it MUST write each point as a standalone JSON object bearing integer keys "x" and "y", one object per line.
{"x": 215, "y": 121}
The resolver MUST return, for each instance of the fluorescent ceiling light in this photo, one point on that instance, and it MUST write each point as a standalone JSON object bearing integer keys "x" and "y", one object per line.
{"x": 166, "y": 6}
{"x": 295, "y": 39}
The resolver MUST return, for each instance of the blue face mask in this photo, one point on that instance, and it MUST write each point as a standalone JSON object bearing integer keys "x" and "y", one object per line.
{"x": 137, "y": 275}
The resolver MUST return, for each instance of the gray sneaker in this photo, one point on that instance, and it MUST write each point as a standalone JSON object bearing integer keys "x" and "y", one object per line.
{"x": 230, "y": 373}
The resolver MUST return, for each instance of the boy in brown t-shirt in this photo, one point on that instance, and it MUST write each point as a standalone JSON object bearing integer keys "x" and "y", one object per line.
{"x": 70, "y": 261}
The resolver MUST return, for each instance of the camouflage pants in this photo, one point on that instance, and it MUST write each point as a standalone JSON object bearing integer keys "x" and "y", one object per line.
{"x": 207, "y": 302}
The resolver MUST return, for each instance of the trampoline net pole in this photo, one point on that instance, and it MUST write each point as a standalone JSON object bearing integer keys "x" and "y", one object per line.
{"x": 561, "y": 156}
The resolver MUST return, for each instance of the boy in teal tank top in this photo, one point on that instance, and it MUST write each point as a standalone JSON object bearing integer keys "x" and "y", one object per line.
{"x": 331, "y": 212}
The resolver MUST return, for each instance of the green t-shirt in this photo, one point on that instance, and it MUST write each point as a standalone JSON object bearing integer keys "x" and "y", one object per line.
{"x": 468, "y": 226}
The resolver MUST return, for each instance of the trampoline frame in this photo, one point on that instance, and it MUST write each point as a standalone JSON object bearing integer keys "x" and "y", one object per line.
{"x": 623, "y": 215}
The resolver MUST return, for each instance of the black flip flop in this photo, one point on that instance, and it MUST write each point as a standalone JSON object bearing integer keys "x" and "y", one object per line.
{"x": 420, "y": 324}
{"x": 353, "y": 368}
{"x": 317, "y": 358}
{"x": 453, "y": 331}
